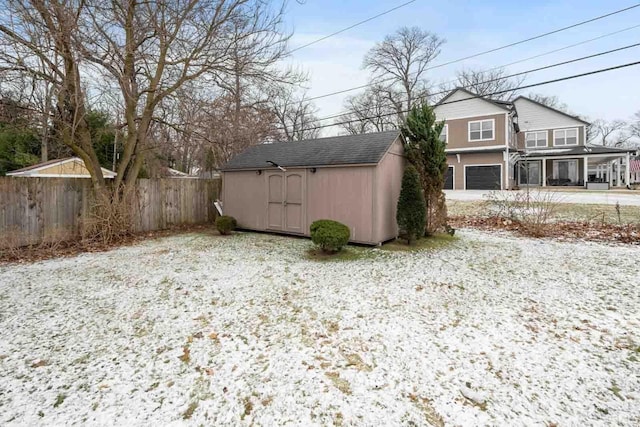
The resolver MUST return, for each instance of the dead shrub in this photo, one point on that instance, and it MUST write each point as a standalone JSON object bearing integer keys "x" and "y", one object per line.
{"x": 110, "y": 219}
{"x": 12, "y": 241}
{"x": 532, "y": 210}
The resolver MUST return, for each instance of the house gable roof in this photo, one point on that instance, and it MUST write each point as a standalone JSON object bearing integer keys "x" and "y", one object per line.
{"x": 366, "y": 148}
{"x": 42, "y": 165}
{"x": 34, "y": 170}
{"x": 549, "y": 108}
{"x": 500, "y": 104}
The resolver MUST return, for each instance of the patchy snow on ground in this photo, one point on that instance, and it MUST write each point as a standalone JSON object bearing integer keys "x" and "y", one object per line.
{"x": 197, "y": 329}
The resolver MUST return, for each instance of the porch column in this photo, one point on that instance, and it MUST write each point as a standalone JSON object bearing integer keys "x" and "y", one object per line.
{"x": 544, "y": 172}
{"x": 610, "y": 172}
{"x": 627, "y": 170}
{"x": 618, "y": 173}
{"x": 585, "y": 175}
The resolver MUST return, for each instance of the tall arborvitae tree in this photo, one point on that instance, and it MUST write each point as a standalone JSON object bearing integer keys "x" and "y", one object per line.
{"x": 426, "y": 152}
{"x": 411, "y": 210}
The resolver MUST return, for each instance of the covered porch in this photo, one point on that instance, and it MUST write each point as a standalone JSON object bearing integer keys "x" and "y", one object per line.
{"x": 598, "y": 168}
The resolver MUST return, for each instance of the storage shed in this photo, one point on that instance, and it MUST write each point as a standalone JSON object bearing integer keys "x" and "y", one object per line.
{"x": 353, "y": 179}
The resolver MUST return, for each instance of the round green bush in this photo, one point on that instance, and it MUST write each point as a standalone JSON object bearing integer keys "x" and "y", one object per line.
{"x": 330, "y": 236}
{"x": 226, "y": 224}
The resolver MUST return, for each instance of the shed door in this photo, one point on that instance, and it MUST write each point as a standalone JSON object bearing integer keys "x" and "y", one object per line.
{"x": 483, "y": 177}
{"x": 293, "y": 203}
{"x": 286, "y": 202}
{"x": 275, "y": 201}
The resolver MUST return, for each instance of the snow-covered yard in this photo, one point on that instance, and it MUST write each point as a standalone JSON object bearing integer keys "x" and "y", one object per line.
{"x": 199, "y": 329}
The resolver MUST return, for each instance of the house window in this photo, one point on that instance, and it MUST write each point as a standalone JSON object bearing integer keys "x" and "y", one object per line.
{"x": 481, "y": 130}
{"x": 444, "y": 133}
{"x": 530, "y": 172}
{"x": 536, "y": 139}
{"x": 565, "y": 172}
{"x": 565, "y": 136}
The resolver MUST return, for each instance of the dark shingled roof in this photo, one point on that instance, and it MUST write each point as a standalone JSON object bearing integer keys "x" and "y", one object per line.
{"x": 577, "y": 151}
{"x": 338, "y": 150}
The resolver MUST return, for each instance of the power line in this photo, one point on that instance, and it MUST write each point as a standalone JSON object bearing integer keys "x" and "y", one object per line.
{"x": 511, "y": 63}
{"x": 567, "y": 47}
{"x": 484, "y": 52}
{"x": 352, "y": 26}
{"x": 511, "y": 75}
{"x": 571, "y": 77}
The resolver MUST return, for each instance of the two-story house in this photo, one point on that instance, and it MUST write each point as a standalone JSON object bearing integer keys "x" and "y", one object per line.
{"x": 554, "y": 150}
{"x": 480, "y": 139}
{"x": 494, "y": 145}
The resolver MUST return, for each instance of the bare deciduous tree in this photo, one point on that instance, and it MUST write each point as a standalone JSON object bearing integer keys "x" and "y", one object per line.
{"x": 367, "y": 112}
{"x": 149, "y": 49}
{"x": 297, "y": 118}
{"x": 611, "y": 133}
{"x": 493, "y": 84}
{"x": 634, "y": 127}
{"x": 224, "y": 139}
{"x": 399, "y": 64}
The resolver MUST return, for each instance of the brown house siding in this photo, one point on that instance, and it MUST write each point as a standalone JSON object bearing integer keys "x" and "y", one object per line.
{"x": 458, "y": 132}
{"x": 469, "y": 159}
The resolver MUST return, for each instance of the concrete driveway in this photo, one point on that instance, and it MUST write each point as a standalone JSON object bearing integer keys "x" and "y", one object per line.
{"x": 624, "y": 197}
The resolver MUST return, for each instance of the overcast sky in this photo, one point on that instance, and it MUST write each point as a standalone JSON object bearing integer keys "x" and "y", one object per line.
{"x": 471, "y": 27}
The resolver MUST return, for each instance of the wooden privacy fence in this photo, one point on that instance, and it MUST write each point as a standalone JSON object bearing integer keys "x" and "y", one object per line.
{"x": 37, "y": 210}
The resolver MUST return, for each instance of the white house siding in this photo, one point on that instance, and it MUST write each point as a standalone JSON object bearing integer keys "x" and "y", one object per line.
{"x": 470, "y": 108}
{"x": 532, "y": 116}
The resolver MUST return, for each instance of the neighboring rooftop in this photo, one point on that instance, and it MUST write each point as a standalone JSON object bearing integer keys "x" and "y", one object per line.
{"x": 71, "y": 167}
{"x": 338, "y": 150}
{"x": 41, "y": 165}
